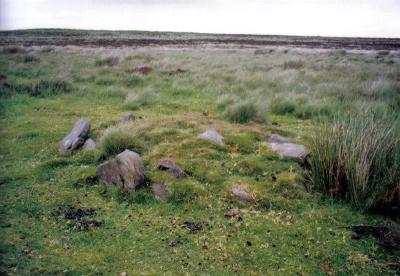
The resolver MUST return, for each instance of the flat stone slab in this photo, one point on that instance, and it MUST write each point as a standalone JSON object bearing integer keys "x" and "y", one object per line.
{"x": 77, "y": 137}
{"x": 287, "y": 150}
{"x": 126, "y": 171}
{"x": 213, "y": 136}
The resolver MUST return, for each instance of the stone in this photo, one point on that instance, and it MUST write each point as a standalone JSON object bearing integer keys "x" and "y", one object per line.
{"x": 160, "y": 191}
{"x": 241, "y": 194}
{"x": 287, "y": 150}
{"x": 169, "y": 165}
{"x": 77, "y": 137}
{"x": 126, "y": 171}
{"x": 128, "y": 118}
{"x": 232, "y": 213}
{"x": 213, "y": 136}
{"x": 89, "y": 144}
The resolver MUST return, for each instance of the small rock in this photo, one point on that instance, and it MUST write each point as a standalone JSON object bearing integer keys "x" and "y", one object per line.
{"x": 213, "y": 136}
{"x": 169, "y": 165}
{"x": 76, "y": 138}
{"x": 287, "y": 150}
{"x": 160, "y": 191}
{"x": 128, "y": 118}
{"x": 232, "y": 213}
{"x": 125, "y": 170}
{"x": 241, "y": 194}
{"x": 89, "y": 144}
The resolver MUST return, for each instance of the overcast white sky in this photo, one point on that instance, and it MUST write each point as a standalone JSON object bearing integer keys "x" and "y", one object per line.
{"x": 368, "y": 18}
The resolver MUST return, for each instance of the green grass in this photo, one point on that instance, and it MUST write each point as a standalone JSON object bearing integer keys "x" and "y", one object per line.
{"x": 285, "y": 231}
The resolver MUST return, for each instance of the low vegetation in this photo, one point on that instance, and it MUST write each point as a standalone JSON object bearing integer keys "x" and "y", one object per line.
{"x": 57, "y": 218}
{"x": 135, "y": 100}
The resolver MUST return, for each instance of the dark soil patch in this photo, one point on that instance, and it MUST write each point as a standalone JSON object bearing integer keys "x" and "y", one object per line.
{"x": 76, "y": 217}
{"x": 178, "y": 71}
{"x": 192, "y": 227}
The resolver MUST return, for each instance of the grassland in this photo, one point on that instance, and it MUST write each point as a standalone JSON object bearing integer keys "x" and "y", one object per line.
{"x": 183, "y": 91}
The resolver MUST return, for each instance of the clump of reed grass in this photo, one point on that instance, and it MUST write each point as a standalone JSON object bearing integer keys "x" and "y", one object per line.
{"x": 357, "y": 158}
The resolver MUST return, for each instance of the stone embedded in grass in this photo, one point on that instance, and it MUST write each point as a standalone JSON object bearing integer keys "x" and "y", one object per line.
{"x": 128, "y": 118}
{"x": 213, "y": 136}
{"x": 126, "y": 171}
{"x": 287, "y": 150}
{"x": 232, "y": 213}
{"x": 77, "y": 137}
{"x": 89, "y": 144}
{"x": 169, "y": 165}
{"x": 241, "y": 194}
{"x": 160, "y": 191}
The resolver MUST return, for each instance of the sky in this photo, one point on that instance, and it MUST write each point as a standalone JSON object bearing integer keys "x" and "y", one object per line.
{"x": 361, "y": 18}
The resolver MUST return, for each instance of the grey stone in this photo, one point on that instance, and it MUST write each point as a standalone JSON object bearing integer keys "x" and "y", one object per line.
{"x": 128, "y": 118}
{"x": 160, "y": 191}
{"x": 287, "y": 150}
{"x": 89, "y": 144}
{"x": 240, "y": 193}
{"x": 125, "y": 171}
{"x": 169, "y": 165}
{"x": 213, "y": 136}
{"x": 77, "y": 137}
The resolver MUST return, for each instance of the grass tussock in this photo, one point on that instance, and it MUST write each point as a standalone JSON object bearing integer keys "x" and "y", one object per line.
{"x": 40, "y": 89}
{"x": 185, "y": 190}
{"x": 136, "y": 100}
{"x": 117, "y": 139}
{"x": 293, "y": 64}
{"x": 357, "y": 158}
{"x": 31, "y": 58}
{"x": 238, "y": 110}
{"x": 299, "y": 108}
{"x": 108, "y": 61}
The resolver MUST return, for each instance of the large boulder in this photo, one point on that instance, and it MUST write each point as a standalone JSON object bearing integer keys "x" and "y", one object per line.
{"x": 213, "y": 136}
{"x": 77, "y": 137}
{"x": 169, "y": 165}
{"x": 125, "y": 171}
{"x": 287, "y": 150}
